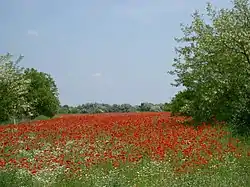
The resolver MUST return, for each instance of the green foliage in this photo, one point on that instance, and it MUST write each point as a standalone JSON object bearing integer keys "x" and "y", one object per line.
{"x": 166, "y": 107}
{"x": 42, "y": 117}
{"x": 213, "y": 62}
{"x": 91, "y": 108}
{"x": 180, "y": 104}
{"x": 64, "y": 109}
{"x": 43, "y": 93}
{"x": 25, "y": 93}
{"x": 15, "y": 178}
{"x": 13, "y": 88}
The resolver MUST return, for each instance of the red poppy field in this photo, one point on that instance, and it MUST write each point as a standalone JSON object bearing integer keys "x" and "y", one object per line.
{"x": 74, "y": 146}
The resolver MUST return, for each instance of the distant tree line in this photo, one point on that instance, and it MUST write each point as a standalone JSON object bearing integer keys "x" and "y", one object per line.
{"x": 91, "y": 108}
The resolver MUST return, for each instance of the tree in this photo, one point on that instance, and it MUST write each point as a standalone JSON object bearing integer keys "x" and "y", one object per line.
{"x": 145, "y": 106}
{"x": 180, "y": 104}
{"x": 166, "y": 107}
{"x": 43, "y": 93}
{"x": 13, "y": 88}
{"x": 214, "y": 64}
{"x": 64, "y": 109}
{"x": 126, "y": 108}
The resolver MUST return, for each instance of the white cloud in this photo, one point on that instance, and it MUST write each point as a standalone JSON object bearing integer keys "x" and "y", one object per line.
{"x": 32, "y": 33}
{"x": 96, "y": 74}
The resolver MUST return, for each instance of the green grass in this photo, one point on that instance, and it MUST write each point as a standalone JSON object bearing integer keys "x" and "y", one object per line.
{"x": 233, "y": 173}
{"x": 41, "y": 117}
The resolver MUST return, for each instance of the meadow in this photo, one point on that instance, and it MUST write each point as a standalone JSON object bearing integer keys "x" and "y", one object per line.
{"x": 122, "y": 149}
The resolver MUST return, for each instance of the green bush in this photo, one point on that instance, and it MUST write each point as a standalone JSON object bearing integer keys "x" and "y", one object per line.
{"x": 42, "y": 117}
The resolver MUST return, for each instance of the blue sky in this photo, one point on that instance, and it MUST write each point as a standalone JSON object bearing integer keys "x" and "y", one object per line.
{"x": 110, "y": 51}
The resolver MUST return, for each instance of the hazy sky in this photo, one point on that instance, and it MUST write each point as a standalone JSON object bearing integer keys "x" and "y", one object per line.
{"x": 111, "y": 51}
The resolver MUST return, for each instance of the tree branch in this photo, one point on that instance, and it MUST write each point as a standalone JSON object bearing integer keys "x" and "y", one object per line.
{"x": 238, "y": 51}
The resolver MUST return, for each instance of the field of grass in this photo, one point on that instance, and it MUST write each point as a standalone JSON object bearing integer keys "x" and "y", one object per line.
{"x": 131, "y": 149}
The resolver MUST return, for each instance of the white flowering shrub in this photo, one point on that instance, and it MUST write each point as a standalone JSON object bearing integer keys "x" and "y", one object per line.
{"x": 13, "y": 87}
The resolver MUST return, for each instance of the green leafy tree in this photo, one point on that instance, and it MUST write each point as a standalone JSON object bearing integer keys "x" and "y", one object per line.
{"x": 13, "y": 88}
{"x": 145, "y": 106}
{"x": 180, "y": 104}
{"x": 213, "y": 62}
{"x": 43, "y": 93}
{"x": 64, "y": 109}
{"x": 166, "y": 107}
